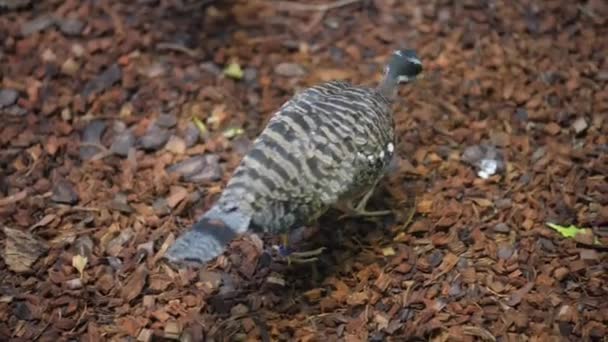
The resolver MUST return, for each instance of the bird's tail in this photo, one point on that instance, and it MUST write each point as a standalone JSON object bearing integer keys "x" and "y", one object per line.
{"x": 209, "y": 237}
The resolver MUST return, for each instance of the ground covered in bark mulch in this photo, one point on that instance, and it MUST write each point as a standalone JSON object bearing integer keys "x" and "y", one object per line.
{"x": 121, "y": 121}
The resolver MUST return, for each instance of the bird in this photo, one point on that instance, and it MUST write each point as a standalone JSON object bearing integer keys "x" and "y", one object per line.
{"x": 326, "y": 147}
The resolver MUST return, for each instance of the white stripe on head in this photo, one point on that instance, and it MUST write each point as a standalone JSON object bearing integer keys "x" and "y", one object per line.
{"x": 414, "y": 60}
{"x": 402, "y": 78}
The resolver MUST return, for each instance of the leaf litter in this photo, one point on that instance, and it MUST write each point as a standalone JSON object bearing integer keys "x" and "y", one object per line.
{"x": 119, "y": 129}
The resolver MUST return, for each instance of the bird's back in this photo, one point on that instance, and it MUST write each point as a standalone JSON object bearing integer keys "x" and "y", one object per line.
{"x": 328, "y": 142}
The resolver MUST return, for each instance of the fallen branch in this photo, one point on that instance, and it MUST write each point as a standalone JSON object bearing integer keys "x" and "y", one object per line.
{"x": 14, "y": 198}
{"x": 177, "y": 47}
{"x": 294, "y": 6}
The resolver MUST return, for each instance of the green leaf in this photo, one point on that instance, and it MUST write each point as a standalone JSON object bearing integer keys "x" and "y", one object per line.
{"x": 233, "y": 132}
{"x": 200, "y": 125}
{"x": 234, "y": 70}
{"x": 572, "y": 231}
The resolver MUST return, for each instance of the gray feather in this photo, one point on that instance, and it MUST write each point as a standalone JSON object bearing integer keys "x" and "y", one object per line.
{"x": 326, "y": 144}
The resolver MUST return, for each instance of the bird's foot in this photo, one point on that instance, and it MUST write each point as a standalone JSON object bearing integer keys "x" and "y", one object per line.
{"x": 300, "y": 257}
{"x": 350, "y": 210}
{"x": 360, "y": 212}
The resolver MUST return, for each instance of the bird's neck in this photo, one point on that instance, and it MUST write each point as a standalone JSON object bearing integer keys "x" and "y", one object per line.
{"x": 388, "y": 85}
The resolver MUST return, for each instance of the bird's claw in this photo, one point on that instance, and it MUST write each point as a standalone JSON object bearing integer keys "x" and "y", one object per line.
{"x": 364, "y": 213}
{"x": 299, "y": 257}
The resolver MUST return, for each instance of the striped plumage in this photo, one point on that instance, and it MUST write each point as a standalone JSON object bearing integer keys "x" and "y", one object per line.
{"x": 326, "y": 146}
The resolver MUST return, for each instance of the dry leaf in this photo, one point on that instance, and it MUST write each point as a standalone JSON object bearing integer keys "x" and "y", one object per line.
{"x": 135, "y": 285}
{"x": 388, "y": 251}
{"x": 22, "y": 249}
{"x": 178, "y": 193}
{"x": 79, "y": 262}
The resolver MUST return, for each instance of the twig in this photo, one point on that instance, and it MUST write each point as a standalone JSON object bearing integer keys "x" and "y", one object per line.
{"x": 118, "y": 26}
{"x": 294, "y": 6}
{"x": 13, "y": 198}
{"x": 588, "y": 12}
{"x": 482, "y": 333}
{"x": 99, "y": 155}
{"x": 177, "y": 47}
{"x": 410, "y": 216}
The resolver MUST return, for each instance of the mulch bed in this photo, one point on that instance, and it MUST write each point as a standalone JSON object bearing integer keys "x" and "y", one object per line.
{"x": 102, "y": 166}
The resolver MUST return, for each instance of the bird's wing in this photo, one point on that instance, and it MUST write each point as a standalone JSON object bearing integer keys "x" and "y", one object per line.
{"x": 312, "y": 149}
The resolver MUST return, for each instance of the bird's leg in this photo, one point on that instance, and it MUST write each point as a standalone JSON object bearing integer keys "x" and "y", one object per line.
{"x": 298, "y": 257}
{"x": 359, "y": 210}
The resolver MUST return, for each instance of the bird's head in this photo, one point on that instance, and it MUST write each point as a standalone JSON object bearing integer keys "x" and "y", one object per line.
{"x": 404, "y": 66}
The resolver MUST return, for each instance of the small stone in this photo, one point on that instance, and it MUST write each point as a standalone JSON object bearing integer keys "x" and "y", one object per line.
{"x": 552, "y": 128}
{"x": 602, "y": 75}
{"x": 560, "y": 273}
{"x": 166, "y": 121}
{"x": 505, "y": 251}
{"x": 70, "y": 67}
{"x": 521, "y": 114}
{"x": 78, "y": 50}
{"x": 15, "y": 111}
{"x": 332, "y": 23}
{"x": 119, "y": 202}
{"x": 49, "y": 56}
{"x": 589, "y": 254}
{"x": 173, "y": 330}
{"x": 155, "y": 70}
{"x": 210, "y": 278}
{"x": 63, "y": 192}
{"x": 503, "y": 203}
{"x": 250, "y": 75}
{"x": 91, "y": 137}
{"x": 191, "y": 135}
{"x": 176, "y": 145}
{"x": 290, "y": 70}
{"x": 199, "y": 168}
{"x": 161, "y": 207}
{"x": 211, "y": 68}
{"x": 500, "y": 139}
{"x": 145, "y": 335}
{"x": 116, "y": 244}
{"x": 22, "y": 311}
{"x": 149, "y": 301}
{"x": 103, "y": 81}
{"x": 472, "y": 154}
{"x": 155, "y": 138}
{"x": 123, "y": 142}
{"x": 485, "y": 158}
{"x": 501, "y": 228}
{"x": 14, "y": 4}
{"x": 38, "y": 24}
{"x": 83, "y": 246}
{"x": 148, "y": 247}
{"x": 8, "y": 97}
{"x": 66, "y": 114}
{"x": 580, "y": 125}
{"x": 538, "y": 154}
{"x": 241, "y": 145}
{"x": 74, "y": 284}
{"x": 487, "y": 168}
{"x": 435, "y": 258}
{"x": 71, "y": 26}
{"x": 239, "y": 310}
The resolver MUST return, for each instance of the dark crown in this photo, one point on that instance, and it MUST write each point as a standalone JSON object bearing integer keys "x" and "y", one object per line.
{"x": 404, "y": 65}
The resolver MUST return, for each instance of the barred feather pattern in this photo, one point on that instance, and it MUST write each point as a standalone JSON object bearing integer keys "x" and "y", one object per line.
{"x": 326, "y": 144}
